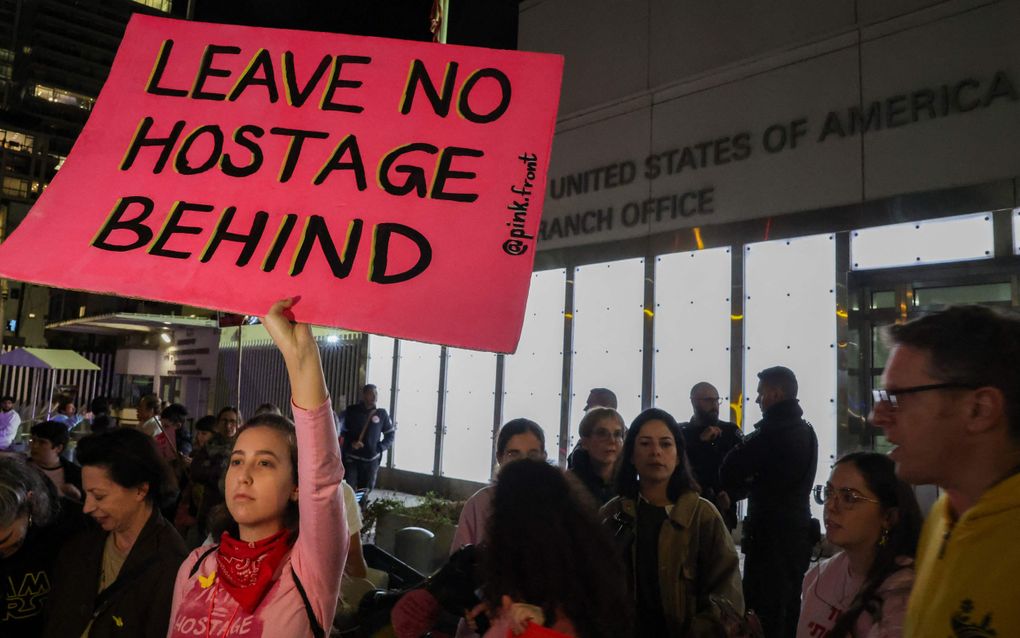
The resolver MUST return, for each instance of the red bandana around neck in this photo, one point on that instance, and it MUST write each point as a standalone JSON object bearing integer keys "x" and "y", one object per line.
{"x": 246, "y": 570}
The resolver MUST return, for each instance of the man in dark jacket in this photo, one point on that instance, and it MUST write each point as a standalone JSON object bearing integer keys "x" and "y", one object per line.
{"x": 775, "y": 467}
{"x": 708, "y": 440}
{"x": 367, "y": 432}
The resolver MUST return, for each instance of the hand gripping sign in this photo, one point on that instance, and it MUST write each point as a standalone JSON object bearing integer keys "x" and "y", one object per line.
{"x": 395, "y": 186}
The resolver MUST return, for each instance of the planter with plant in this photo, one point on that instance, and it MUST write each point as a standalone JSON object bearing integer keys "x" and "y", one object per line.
{"x": 385, "y": 516}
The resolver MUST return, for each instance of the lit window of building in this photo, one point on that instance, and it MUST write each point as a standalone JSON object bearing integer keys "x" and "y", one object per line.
{"x": 16, "y": 141}
{"x": 16, "y": 187}
{"x": 158, "y": 5}
{"x": 62, "y": 96}
{"x": 6, "y": 64}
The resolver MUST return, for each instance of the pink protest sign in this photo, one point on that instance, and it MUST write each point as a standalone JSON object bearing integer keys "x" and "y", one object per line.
{"x": 395, "y": 186}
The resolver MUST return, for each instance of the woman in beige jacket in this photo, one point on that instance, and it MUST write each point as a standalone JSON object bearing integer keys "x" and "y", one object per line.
{"x": 683, "y": 566}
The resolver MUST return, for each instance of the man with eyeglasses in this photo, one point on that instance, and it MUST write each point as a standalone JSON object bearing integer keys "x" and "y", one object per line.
{"x": 708, "y": 440}
{"x": 951, "y": 406}
{"x": 775, "y": 467}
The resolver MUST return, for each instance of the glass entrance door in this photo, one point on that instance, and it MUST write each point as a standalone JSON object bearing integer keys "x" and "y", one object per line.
{"x": 884, "y": 297}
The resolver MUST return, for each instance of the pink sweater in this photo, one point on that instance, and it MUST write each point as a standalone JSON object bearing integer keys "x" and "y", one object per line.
{"x": 473, "y": 519}
{"x": 829, "y": 589}
{"x": 317, "y": 557}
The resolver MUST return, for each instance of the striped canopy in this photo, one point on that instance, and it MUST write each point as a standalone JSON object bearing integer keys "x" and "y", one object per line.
{"x": 46, "y": 358}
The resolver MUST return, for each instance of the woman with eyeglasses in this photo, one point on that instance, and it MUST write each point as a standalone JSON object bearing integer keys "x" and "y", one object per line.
{"x": 875, "y": 519}
{"x": 683, "y": 572}
{"x": 602, "y": 431}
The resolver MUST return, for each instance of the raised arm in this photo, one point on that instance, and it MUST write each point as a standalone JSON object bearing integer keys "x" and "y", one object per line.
{"x": 300, "y": 353}
{"x": 321, "y": 549}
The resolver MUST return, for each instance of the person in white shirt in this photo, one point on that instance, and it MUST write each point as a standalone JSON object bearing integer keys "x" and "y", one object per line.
{"x": 148, "y": 415}
{"x": 10, "y": 421}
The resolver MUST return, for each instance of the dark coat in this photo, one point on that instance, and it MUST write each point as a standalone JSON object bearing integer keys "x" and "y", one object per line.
{"x": 582, "y": 468}
{"x": 377, "y": 439}
{"x": 26, "y": 576}
{"x": 139, "y": 601}
{"x": 774, "y": 466}
{"x": 706, "y": 458}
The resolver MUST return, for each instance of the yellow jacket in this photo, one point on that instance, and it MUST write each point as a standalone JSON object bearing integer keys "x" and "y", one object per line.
{"x": 968, "y": 569}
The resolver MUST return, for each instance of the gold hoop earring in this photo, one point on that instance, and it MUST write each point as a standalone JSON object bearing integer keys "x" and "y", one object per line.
{"x": 883, "y": 540}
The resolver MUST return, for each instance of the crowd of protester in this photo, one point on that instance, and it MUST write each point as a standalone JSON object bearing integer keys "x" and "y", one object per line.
{"x": 232, "y": 527}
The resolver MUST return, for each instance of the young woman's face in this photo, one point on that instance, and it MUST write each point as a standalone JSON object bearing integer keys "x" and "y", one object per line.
{"x": 115, "y": 508}
{"x": 605, "y": 441}
{"x": 852, "y": 526}
{"x": 655, "y": 453}
{"x": 202, "y": 437}
{"x": 260, "y": 480}
{"x": 521, "y": 446}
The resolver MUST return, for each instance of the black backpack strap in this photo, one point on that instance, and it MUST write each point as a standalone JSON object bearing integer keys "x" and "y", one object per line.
{"x": 317, "y": 630}
{"x": 201, "y": 559}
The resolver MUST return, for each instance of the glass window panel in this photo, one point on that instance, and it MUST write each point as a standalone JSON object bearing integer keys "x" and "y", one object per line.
{"x": 470, "y": 394}
{"x": 927, "y": 242}
{"x": 883, "y": 299}
{"x": 1016, "y": 230}
{"x": 945, "y": 295}
{"x": 379, "y": 369}
{"x": 608, "y": 335}
{"x": 417, "y": 402}
{"x": 692, "y": 327}
{"x": 790, "y": 320}
{"x": 533, "y": 376}
{"x": 879, "y": 349}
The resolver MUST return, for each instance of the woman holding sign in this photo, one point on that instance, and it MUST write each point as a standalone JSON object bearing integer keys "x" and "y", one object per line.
{"x": 264, "y": 577}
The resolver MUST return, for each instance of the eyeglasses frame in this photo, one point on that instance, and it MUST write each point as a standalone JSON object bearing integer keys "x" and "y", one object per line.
{"x": 889, "y": 396}
{"x": 855, "y": 496}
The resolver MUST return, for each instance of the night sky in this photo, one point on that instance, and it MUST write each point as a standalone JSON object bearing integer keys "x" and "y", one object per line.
{"x": 488, "y": 23}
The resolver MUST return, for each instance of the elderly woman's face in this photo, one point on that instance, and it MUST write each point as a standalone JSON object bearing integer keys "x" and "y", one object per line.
{"x": 115, "y": 508}
{"x": 12, "y": 536}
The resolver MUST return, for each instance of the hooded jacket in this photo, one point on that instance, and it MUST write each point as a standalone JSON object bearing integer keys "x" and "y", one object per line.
{"x": 967, "y": 568}
{"x": 698, "y": 564}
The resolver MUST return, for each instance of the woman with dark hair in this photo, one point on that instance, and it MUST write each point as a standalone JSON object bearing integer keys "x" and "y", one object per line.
{"x": 874, "y": 517}
{"x": 517, "y": 439}
{"x": 684, "y": 575}
{"x": 267, "y": 576}
{"x": 34, "y": 522}
{"x": 601, "y": 432}
{"x": 116, "y": 578}
{"x": 205, "y": 473}
{"x": 547, "y": 560}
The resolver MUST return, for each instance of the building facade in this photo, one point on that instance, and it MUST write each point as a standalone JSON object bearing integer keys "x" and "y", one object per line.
{"x": 734, "y": 186}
